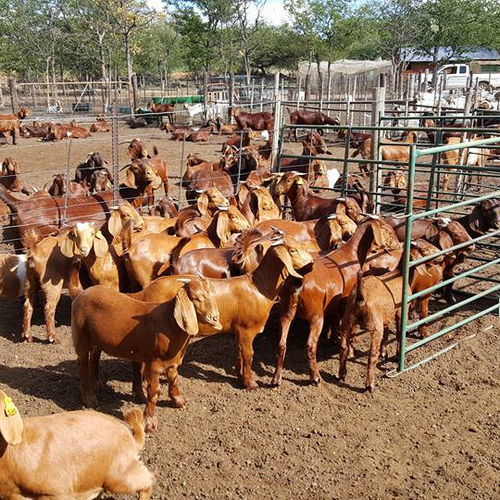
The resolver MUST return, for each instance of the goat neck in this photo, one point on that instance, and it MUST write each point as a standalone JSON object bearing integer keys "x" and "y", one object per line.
{"x": 297, "y": 194}
{"x": 270, "y": 276}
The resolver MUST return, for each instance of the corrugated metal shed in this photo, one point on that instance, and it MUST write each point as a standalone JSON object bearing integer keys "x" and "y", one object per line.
{"x": 410, "y": 54}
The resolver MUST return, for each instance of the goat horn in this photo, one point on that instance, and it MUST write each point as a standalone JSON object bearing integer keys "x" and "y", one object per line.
{"x": 277, "y": 242}
{"x": 184, "y": 280}
{"x": 341, "y": 199}
{"x": 332, "y": 216}
{"x": 222, "y": 207}
{"x": 199, "y": 191}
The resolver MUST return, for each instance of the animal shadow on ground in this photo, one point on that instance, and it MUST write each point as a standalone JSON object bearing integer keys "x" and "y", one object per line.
{"x": 12, "y": 317}
{"x": 61, "y": 384}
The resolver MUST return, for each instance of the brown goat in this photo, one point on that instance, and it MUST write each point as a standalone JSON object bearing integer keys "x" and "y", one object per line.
{"x": 100, "y": 125}
{"x": 396, "y": 151}
{"x": 156, "y": 334}
{"x": 48, "y": 268}
{"x": 306, "y": 206}
{"x": 374, "y": 303}
{"x": 35, "y": 454}
{"x": 373, "y": 247}
{"x": 244, "y": 302}
{"x": 9, "y": 176}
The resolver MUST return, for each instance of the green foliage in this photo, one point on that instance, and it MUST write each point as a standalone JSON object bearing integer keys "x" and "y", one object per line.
{"x": 100, "y": 38}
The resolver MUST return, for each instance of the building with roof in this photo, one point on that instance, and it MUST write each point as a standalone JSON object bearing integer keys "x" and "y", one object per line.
{"x": 481, "y": 60}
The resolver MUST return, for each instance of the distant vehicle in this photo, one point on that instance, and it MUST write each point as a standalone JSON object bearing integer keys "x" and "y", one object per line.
{"x": 456, "y": 76}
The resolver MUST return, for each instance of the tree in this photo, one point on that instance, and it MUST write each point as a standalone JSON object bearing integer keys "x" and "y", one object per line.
{"x": 456, "y": 25}
{"x": 248, "y": 31}
{"x": 208, "y": 17}
{"x": 127, "y": 16}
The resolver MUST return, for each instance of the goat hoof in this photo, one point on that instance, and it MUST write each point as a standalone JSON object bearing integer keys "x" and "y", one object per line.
{"x": 91, "y": 402}
{"x": 28, "y": 339}
{"x": 316, "y": 380}
{"x": 150, "y": 424}
{"x": 451, "y": 299}
{"x": 251, "y": 386}
{"x": 53, "y": 339}
{"x": 370, "y": 388}
{"x": 276, "y": 382}
{"x": 179, "y": 401}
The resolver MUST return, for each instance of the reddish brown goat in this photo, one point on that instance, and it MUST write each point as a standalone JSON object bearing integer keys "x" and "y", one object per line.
{"x": 9, "y": 176}
{"x": 58, "y": 132}
{"x": 101, "y": 125}
{"x": 58, "y": 187}
{"x": 303, "y": 117}
{"x": 373, "y": 247}
{"x": 10, "y": 124}
{"x": 162, "y": 110}
{"x": 156, "y": 334}
{"x": 254, "y": 121}
{"x": 244, "y": 302}
{"x": 307, "y": 206}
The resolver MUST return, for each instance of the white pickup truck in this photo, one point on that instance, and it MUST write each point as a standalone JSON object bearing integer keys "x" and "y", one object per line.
{"x": 456, "y": 76}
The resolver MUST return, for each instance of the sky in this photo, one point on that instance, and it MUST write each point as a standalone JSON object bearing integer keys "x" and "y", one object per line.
{"x": 274, "y": 12}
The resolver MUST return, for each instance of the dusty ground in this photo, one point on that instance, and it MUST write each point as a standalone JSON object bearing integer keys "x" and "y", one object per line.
{"x": 430, "y": 433}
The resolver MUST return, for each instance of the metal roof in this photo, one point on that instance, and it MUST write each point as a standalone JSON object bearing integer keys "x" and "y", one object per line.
{"x": 410, "y": 54}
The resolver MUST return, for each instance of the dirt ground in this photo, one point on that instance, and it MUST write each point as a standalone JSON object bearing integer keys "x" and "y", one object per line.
{"x": 432, "y": 432}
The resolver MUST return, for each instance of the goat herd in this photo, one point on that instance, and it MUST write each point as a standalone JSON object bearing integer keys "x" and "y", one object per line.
{"x": 142, "y": 286}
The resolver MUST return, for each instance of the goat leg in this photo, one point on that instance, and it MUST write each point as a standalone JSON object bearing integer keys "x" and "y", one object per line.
{"x": 137, "y": 389}
{"x": 152, "y": 375}
{"x": 173, "y": 387}
{"x": 95, "y": 356}
{"x": 245, "y": 348}
{"x": 288, "y": 308}
{"x": 345, "y": 341}
{"x": 88, "y": 396}
{"x": 52, "y": 296}
{"x": 315, "y": 328}
{"x": 376, "y": 334}
{"x": 30, "y": 296}
{"x": 424, "y": 312}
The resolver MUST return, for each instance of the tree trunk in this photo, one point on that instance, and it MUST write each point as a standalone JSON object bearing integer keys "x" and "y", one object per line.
{"x": 130, "y": 73}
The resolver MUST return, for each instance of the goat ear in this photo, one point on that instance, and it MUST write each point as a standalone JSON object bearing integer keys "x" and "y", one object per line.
{"x": 115, "y": 224}
{"x": 287, "y": 261}
{"x": 130, "y": 178}
{"x": 474, "y": 219}
{"x": 68, "y": 246}
{"x": 222, "y": 228}
{"x": 185, "y": 313}
{"x": 202, "y": 204}
{"x": 11, "y": 423}
{"x": 431, "y": 232}
{"x": 100, "y": 245}
{"x": 17, "y": 170}
{"x": 340, "y": 209}
{"x": 377, "y": 234}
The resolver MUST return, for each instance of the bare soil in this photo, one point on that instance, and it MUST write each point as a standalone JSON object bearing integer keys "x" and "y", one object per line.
{"x": 432, "y": 432}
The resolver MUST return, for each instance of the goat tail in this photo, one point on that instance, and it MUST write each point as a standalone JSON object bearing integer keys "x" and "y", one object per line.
{"x": 126, "y": 235}
{"x": 74, "y": 285}
{"x": 135, "y": 420}
{"x": 155, "y": 150}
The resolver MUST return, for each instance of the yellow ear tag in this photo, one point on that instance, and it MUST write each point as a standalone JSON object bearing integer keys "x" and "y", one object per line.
{"x": 299, "y": 182}
{"x": 10, "y": 407}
